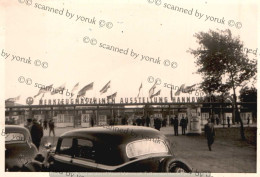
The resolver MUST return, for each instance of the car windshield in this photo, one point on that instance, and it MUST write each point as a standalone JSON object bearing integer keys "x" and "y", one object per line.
{"x": 144, "y": 147}
{"x": 10, "y": 137}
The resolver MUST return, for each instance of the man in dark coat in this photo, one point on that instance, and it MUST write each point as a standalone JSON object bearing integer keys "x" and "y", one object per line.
{"x": 183, "y": 125}
{"x": 175, "y": 125}
{"x": 209, "y": 133}
{"x": 51, "y": 126}
{"x": 92, "y": 121}
{"x": 36, "y": 133}
{"x": 157, "y": 123}
{"x": 147, "y": 120}
{"x": 139, "y": 121}
{"x": 45, "y": 123}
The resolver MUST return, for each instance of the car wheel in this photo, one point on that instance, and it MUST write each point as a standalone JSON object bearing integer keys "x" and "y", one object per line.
{"x": 177, "y": 169}
{"x": 175, "y": 166}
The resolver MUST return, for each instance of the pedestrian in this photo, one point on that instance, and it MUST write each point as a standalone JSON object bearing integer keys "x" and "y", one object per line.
{"x": 143, "y": 121}
{"x": 51, "y": 127}
{"x": 45, "y": 123}
{"x": 183, "y": 125}
{"x": 92, "y": 121}
{"x": 36, "y": 133}
{"x": 175, "y": 125}
{"x": 209, "y": 133}
{"x": 187, "y": 121}
{"x": 171, "y": 121}
{"x": 139, "y": 121}
{"x": 217, "y": 120}
{"x": 147, "y": 120}
{"x": 248, "y": 120}
{"x": 228, "y": 121}
{"x": 28, "y": 124}
{"x": 157, "y": 123}
{"x": 164, "y": 122}
{"x": 124, "y": 120}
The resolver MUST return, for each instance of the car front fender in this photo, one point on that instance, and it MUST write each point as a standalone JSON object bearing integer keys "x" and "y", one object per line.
{"x": 171, "y": 164}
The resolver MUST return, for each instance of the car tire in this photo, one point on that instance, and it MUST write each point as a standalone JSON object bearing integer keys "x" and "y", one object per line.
{"x": 174, "y": 166}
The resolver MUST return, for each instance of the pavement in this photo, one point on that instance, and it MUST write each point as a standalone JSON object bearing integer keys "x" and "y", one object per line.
{"x": 229, "y": 154}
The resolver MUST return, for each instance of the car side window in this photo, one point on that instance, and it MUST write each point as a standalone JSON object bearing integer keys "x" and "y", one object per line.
{"x": 66, "y": 147}
{"x": 85, "y": 149}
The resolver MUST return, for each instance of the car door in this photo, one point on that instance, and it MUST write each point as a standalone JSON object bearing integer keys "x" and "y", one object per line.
{"x": 62, "y": 160}
{"x": 84, "y": 156}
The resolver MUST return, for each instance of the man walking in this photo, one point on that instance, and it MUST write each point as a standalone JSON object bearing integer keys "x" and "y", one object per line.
{"x": 183, "y": 125}
{"x": 51, "y": 127}
{"x": 209, "y": 133}
{"x": 45, "y": 124}
{"x": 175, "y": 125}
{"x": 36, "y": 133}
{"x": 228, "y": 121}
{"x": 217, "y": 120}
{"x": 248, "y": 121}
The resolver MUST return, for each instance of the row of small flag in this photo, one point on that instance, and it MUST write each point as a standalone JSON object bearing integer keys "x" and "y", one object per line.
{"x": 82, "y": 92}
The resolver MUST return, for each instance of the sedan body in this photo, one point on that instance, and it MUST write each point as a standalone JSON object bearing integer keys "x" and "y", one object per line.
{"x": 114, "y": 149}
{"x": 19, "y": 149}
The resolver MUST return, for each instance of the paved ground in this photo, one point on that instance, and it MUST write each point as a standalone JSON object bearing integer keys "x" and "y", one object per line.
{"x": 229, "y": 155}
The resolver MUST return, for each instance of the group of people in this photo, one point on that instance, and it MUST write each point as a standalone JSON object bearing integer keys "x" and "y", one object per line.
{"x": 36, "y": 129}
{"x": 183, "y": 124}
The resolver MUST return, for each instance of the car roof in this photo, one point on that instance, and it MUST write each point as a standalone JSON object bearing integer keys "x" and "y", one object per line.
{"x": 17, "y": 129}
{"x": 14, "y": 127}
{"x": 115, "y": 134}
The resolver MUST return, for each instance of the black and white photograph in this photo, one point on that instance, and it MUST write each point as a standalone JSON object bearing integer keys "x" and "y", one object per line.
{"x": 128, "y": 87}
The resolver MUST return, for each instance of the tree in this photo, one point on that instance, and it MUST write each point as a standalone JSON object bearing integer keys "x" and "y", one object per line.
{"x": 249, "y": 95}
{"x": 221, "y": 61}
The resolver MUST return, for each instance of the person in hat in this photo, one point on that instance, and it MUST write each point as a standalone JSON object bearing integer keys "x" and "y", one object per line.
{"x": 28, "y": 124}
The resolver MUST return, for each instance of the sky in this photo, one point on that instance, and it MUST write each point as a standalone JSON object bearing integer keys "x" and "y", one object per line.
{"x": 144, "y": 28}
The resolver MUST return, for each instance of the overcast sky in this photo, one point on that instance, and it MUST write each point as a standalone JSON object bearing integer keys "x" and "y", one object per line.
{"x": 145, "y": 28}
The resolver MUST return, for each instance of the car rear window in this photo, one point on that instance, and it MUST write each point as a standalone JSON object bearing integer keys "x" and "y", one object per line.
{"x": 145, "y": 146}
{"x": 10, "y": 137}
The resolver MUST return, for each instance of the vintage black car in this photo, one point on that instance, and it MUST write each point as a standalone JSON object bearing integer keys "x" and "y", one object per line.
{"x": 114, "y": 149}
{"x": 19, "y": 149}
